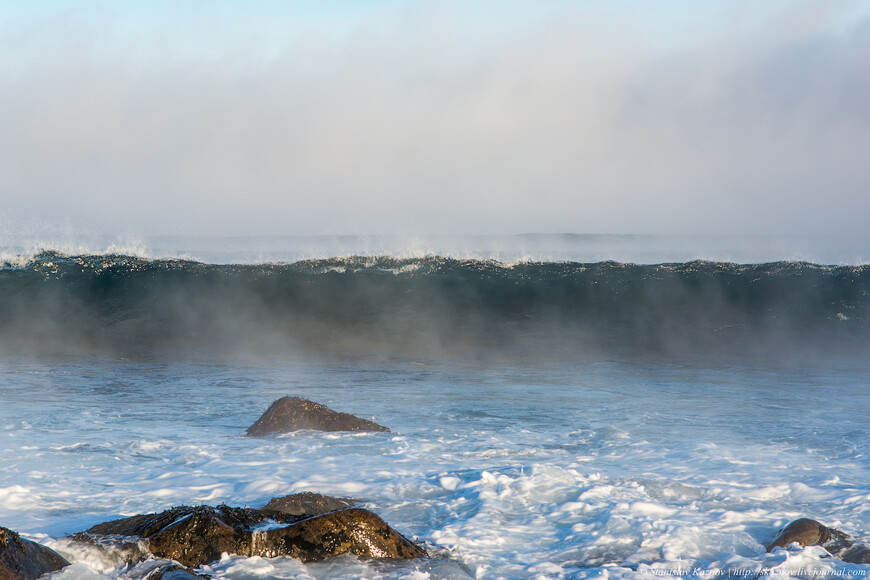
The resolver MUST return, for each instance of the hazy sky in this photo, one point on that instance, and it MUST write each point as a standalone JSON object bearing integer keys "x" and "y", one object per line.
{"x": 290, "y": 117}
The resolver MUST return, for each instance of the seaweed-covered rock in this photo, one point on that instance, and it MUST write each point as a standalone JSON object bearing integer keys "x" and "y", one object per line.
{"x": 306, "y": 504}
{"x": 294, "y": 413}
{"x": 350, "y": 531}
{"x": 807, "y": 532}
{"x": 22, "y": 559}
{"x": 194, "y": 536}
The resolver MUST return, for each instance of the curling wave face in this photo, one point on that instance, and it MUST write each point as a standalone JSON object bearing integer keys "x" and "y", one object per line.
{"x": 432, "y": 306}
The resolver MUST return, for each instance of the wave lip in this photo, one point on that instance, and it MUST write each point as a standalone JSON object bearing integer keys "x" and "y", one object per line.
{"x": 531, "y": 247}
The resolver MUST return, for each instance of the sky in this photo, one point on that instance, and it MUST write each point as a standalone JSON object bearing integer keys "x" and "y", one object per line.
{"x": 394, "y": 117}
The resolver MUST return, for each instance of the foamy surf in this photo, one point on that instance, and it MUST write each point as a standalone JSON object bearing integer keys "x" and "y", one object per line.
{"x": 589, "y": 470}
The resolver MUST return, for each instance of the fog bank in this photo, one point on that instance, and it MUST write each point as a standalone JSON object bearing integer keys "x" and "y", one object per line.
{"x": 416, "y": 118}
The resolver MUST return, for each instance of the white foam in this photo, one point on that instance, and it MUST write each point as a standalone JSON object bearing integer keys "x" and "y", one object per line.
{"x": 17, "y": 497}
{"x": 602, "y": 476}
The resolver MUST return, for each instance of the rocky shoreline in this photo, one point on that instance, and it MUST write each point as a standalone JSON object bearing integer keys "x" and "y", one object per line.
{"x": 172, "y": 544}
{"x": 192, "y": 536}
{"x": 197, "y": 535}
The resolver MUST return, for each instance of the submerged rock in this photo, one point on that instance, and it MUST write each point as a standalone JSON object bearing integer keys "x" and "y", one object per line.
{"x": 22, "y": 559}
{"x": 294, "y": 413}
{"x": 162, "y": 570}
{"x": 194, "y": 536}
{"x": 175, "y": 573}
{"x": 859, "y": 554}
{"x": 807, "y": 532}
{"x": 306, "y": 504}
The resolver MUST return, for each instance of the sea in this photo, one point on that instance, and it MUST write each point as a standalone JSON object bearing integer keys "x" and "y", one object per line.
{"x": 560, "y": 406}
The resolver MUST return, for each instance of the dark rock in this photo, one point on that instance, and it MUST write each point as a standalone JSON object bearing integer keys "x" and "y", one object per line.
{"x": 856, "y": 555}
{"x": 807, "y": 532}
{"x": 194, "y": 536}
{"x": 22, "y": 559}
{"x": 306, "y": 504}
{"x": 122, "y": 551}
{"x": 350, "y": 531}
{"x": 173, "y": 572}
{"x": 294, "y": 413}
{"x": 162, "y": 570}
{"x": 149, "y": 525}
{"x": 190, "y": 535}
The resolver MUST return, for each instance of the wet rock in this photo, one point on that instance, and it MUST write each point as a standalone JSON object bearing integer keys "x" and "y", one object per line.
{"x": 194, "y": 536}
{"x": 306, "y": 504}
{"x": 174, "y": 572}
{"x": 294, "y": 413}
{"x": 859, "y": 554}
{"x": 190, "y": 535}
{"x": 22, "y": 559}
{"x": 163, "y": 570}
{"x": 350, "y": 531}
{"x": 807, "y": 532}
{"x": 123, "y": 552}
{"x": 149, "y": 525}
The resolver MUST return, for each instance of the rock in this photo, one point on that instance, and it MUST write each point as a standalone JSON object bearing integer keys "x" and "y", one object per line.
{"x": 194, "y": 536}
{"x": 22, "y": 559}
{"x": 123, "y": 552}
{"x": 349, "y": 531}
{"x": 294, "y": 413}
{"x": 856, "y": 555}
{"x": 162, "y": 570}
{"x": 807, "y": 532}
{"x": 306, "y": 504}
{"x": 173, "y": 572}
{"x": 190, "y": 535}
{"x": 149, "y": 525}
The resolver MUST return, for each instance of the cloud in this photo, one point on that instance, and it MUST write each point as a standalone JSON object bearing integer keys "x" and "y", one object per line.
{"x": 584, "y": 119}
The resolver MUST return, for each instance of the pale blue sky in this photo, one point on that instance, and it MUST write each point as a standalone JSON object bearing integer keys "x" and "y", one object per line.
{"x": 436, "y": 117}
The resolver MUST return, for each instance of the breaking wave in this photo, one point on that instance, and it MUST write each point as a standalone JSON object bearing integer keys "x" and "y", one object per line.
{"x": 432, "y": 306}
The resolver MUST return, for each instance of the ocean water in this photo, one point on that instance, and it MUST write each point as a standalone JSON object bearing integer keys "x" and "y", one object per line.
{"x": 540, "y": 429}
